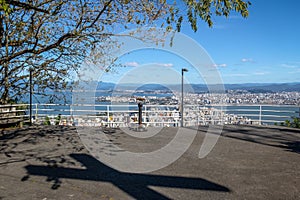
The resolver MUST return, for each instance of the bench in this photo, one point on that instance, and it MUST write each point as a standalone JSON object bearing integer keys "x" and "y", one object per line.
{"x": 11, "y": 115}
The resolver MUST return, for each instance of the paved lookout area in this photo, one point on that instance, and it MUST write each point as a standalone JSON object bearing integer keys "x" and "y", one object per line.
{"x": 50, "y": 162}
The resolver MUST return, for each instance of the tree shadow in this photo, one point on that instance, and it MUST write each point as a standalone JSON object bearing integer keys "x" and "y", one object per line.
{"x": 136, "y": 185}
{"x": 22, "y": 144}
{"x": 284, "y": 138}
{"x": 292, "y": 146}
{"x": 35, "y": 131}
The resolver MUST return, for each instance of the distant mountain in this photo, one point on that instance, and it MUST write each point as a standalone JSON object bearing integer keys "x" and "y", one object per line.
{"x": 200, "y": 88}
{"x": 105, "y": 86}
{"x": 112, "y": 86}
{"x": 265, "y": 87}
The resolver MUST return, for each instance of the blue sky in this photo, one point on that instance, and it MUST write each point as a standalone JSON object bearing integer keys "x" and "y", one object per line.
{"x": 264, "y": 48}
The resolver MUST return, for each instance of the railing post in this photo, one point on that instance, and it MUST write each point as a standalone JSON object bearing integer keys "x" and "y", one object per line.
{"x": 145, "y": 107}
{"x": 107, "y": 108}
{"x": 36, "y": 112}
{"x": 260, "y": 114}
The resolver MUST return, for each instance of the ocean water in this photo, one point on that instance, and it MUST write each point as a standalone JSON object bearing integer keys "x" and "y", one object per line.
{"x": 269, "y": 113}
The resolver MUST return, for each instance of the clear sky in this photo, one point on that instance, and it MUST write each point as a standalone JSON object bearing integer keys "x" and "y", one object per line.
{"x": 264, "y": 48}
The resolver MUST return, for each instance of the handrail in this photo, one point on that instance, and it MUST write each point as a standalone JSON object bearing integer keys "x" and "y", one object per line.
{"x": 252, "y": 113}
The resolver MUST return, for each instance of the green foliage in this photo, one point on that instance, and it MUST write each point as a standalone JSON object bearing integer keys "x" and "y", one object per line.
{"x": 205, "y": 9}
{"x": 287, "y": 123}
{"x": 294, "y": 123}
{"x": 47, "y": 121}
{"x": 4, "y": 7}
{"x": 57, "y": 120}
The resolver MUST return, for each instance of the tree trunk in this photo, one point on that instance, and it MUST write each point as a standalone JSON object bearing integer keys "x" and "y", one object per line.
{"x": 5, "y": 95}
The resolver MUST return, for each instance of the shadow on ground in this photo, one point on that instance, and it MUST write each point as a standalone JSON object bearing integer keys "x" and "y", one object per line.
{"x": 136, "y": 185}
{"x": 35, "y": 131}
{"x": 279, "y": 137}
{"x": 45, "y": 144}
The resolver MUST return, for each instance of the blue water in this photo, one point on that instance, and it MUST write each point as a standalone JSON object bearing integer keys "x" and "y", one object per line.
{"x": 137, "y": 94}
{"x": 272, "y": 113}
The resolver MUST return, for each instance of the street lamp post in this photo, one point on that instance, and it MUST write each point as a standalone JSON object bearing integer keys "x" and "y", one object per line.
{"x": 182, "y": 80}
{"x": 30, "y": 97}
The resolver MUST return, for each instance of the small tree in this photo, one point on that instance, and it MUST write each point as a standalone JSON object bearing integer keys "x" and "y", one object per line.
{"x": 296, "y": 122}
{"x": 287, "y": 123}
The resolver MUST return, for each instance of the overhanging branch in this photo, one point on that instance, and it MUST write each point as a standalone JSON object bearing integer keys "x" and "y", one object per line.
{"x": 26, "y": 6}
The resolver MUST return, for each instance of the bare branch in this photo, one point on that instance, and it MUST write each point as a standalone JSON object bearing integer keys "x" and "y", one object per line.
{"x": 26, "y": 6}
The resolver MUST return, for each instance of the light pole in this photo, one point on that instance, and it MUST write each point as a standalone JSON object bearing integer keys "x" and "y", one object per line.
{"x": 30, "y": 96}
{"x": 182, "y": 72}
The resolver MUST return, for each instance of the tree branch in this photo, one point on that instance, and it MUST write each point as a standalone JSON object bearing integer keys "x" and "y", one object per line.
{"x": 26, "y": 6}
{"x": 99, "y": 15}
{"x": 42, "y": 50}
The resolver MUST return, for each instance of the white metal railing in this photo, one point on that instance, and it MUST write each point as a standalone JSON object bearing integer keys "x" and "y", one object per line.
{"x": 157, "y": 115}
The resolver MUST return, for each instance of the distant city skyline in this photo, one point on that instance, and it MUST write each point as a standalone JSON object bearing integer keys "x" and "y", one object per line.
{"x": 263, "y": 48}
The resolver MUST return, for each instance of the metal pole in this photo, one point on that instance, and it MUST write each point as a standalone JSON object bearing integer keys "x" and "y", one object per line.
{"x": 36, "y": 111}
{"x": 107, "y": 109}
{"x": 30, "y": 97}
{"x": 181, "y": 98}
{"x": 260, "y": 115}
{"x": 182, "y": 71}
